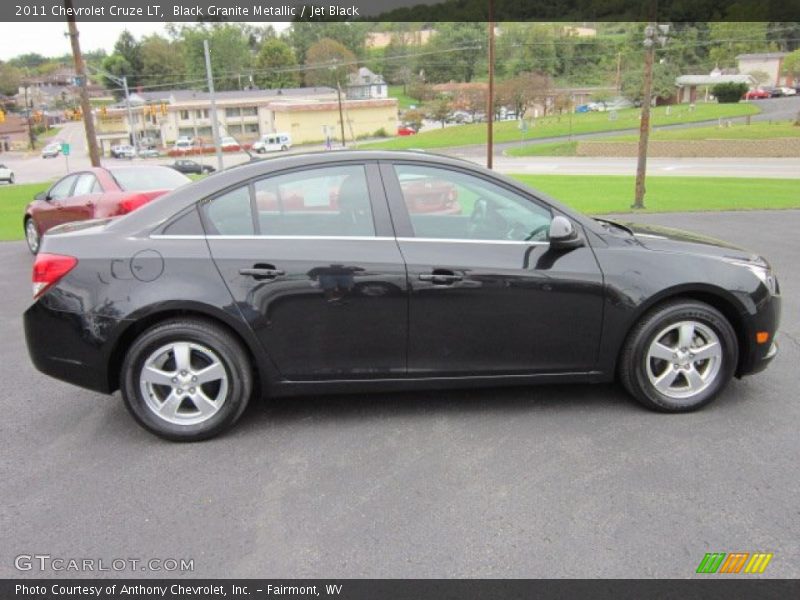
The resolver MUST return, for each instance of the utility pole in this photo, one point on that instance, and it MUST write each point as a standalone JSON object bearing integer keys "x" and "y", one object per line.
{"x": 214, "y": 122}
{"x": 618, "y": 80}
{"x": 644, "y": 124}
{"x": 80, "y": 73}
{"x": 341, "y": 113}
{"x": 490, "y": 95}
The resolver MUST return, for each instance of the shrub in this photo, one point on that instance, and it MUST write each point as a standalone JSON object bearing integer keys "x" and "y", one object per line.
{"x": 729, "y": 93}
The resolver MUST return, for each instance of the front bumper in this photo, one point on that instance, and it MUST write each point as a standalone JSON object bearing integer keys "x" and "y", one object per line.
{"x": 757, "y": 357}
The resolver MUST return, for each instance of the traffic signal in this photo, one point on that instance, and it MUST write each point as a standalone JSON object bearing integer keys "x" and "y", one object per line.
{"x": 103, "y": 111}
{"x": 2, "y": 116}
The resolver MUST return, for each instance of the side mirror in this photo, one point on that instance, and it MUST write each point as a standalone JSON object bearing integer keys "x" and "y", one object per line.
{"x": 563, "y": 234}
{"x": 41, "y": 196}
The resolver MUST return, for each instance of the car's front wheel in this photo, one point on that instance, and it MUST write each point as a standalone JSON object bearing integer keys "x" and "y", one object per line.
{"x": 679, "y": 357}
{"x": 186, "y": 380}
{"x": 32, "y": 236}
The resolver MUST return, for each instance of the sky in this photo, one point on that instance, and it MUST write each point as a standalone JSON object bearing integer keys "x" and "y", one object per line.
{"x": 48, "y": 39}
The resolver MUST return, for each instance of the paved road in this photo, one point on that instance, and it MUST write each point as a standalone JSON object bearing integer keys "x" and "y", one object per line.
{"x": 571, "y": 481}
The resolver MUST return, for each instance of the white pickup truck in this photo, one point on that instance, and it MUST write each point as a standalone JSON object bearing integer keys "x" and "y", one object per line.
{"x": 6, "y": 174}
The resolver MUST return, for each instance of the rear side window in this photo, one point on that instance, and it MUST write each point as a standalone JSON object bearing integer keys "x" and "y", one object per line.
{"x": 326, "y": 201}
{"x": 230, "y": 213}
{"x": 85, "y": 184}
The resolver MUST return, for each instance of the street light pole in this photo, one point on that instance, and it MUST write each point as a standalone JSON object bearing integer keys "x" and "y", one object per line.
{"x": 490, "y": 98}
{"x": 134, "y": 140}
{"x": 214, "y": 121}
{"x": 341, "y": 113}
{"x": 28, "y": 115}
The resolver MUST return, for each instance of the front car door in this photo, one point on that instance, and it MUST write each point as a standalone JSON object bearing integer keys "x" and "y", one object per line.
{"x": 54, "y": 212}
{"x": 487, "y": 294}
{"x": 310, "y": 258}
{"x": 80, "y": 205}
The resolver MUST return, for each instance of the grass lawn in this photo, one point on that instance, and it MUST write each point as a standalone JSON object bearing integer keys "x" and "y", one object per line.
{"x": 593, "y": 194}
{"x": 404, "y": 102}
{"x": 598, "y": 194}
{"x": 13, "y": 200}
{"x": 553, "y": 126}
{"x": 736, "y": 131}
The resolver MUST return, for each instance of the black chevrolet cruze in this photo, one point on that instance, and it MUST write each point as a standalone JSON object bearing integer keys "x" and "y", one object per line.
{"x": 370, "y": 271}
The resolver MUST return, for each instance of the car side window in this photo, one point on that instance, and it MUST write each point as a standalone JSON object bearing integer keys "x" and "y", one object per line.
{"x": 324, "y": 201}
{"x": 230, "y": 213}
{"x": 449, "y": 204}
{"x": 84, "y": 184}
{"x": 62, "y": 189}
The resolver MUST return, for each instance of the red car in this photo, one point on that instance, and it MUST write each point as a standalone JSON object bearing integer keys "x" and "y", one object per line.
{"x": 94, "y": 194}
{"x": 406, "y": 131}
{"x": 757, "y": 95}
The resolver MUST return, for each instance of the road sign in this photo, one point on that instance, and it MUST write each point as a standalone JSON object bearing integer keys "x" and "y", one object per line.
{"x": 65, "y": 149}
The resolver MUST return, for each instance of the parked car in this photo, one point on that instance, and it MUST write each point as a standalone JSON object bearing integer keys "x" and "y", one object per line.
{"x": 6, "y": 174}
{"x": 147, "y": 153}
{"x": 229, "y": 143}
{"x": 273, "y": 142}
{"x": 184, "y": 144}
{"x": 757, "y": 94}
{"x": 518, "y": 289}
{"x": 191, "y": 166}
{"x": 788, "y": 91}
{"x": 122, "y": 151}
{"x": 95, "y": 193}
{"x": 405, "y": 130}
{"x": 774, "y": 92}
{"x": 51, "y": 150}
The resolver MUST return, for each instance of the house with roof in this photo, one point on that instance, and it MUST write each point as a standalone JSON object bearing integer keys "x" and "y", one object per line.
{"x": 694, "y": 88}
{"x": 364, "y": 84}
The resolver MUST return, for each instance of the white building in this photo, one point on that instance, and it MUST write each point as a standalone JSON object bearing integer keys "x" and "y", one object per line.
{"x": 770, "y": 63}
{"x": 366, "y": 85}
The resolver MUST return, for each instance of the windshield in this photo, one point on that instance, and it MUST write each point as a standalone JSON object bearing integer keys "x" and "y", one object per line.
{"x": 138, "y": 179}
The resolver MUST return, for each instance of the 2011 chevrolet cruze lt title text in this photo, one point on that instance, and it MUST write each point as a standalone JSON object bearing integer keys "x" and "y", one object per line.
{"x": 370, "y": 271}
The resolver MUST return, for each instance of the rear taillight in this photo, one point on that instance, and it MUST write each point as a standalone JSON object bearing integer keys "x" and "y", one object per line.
{"x": 49, "y": 269}
{"x": 132, "y": 203}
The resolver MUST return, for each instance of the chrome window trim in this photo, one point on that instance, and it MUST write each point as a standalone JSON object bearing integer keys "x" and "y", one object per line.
{"x": 466, "y": 241}
{"x": 272, "y": 237}
{"x": 345, "y": 238}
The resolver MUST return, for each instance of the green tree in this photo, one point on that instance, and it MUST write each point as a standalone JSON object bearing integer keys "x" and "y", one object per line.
{"x": 791, "y": 65}
{"x": 455, "y": 53}
{"x": 116, "y": 65}
{"x": 730, "y": 39}
{"x": 162, "y": 61}
{"x": 10, "y": 79}
{"x": 274, "y": 57}
{"x": 128, "y": 48}
{"x": 729, "y": 93}
{"x": 328, "y": 62}
{"x": 302, "y": 35}
{"x": 664, "y": 76}
{"x": 440, "y": 110}
{"x": 229, "y": 47}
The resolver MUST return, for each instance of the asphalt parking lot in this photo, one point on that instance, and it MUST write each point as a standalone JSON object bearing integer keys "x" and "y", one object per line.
{"x": 568, "y": 481}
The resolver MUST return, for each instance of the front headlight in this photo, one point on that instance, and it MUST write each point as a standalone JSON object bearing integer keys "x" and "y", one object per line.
{"x": 760, "y": 270}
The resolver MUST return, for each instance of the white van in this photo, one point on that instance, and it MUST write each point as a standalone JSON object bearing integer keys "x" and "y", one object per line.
{"x": 273, "y": 142}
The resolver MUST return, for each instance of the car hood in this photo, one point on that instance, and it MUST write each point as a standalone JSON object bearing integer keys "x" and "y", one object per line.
{"x": 667, "y": 239}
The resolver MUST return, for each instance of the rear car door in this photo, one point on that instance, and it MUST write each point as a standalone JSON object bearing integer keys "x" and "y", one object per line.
{"x": 310, "y": 258}
{"x": 487, "y": 294}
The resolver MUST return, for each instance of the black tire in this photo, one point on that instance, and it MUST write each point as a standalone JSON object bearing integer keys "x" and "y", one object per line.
{"x": 636, "y": 366}
{"x": 32, "y": 246}
{"x": 199, "y": 333}
{"x": 11, "y": 180}
{"x": 284, "y": 148}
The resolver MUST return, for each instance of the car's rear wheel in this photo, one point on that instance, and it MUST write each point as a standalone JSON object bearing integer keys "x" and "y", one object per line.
{"x": 11, "y": 179}
{"x": 186, "y": 380}
{"x": 284, "y": 148}
{"x": 32, "y": 236}
{"x": 679, "y": 357}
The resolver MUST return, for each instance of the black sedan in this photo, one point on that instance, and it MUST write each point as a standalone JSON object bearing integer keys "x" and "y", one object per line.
{"x": 191, "y": 167}
{"x": 318, "y": 273}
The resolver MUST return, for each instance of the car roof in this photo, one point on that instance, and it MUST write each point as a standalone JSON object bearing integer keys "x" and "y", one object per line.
{"x": 154, "y": 213}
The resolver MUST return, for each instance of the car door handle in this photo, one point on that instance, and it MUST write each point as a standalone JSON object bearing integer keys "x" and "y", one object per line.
{"x": 441, "y": 277}
{"x": 262, "y": 272}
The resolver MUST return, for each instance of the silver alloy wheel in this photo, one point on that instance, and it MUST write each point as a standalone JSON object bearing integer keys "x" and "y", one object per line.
{"x": 32, "y": 236}
{"x": 184, "y": 383}
{"x": 684, "y": 359}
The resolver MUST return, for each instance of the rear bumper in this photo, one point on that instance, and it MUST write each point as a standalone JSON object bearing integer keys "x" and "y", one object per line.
{"x": 69, "y": 346}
